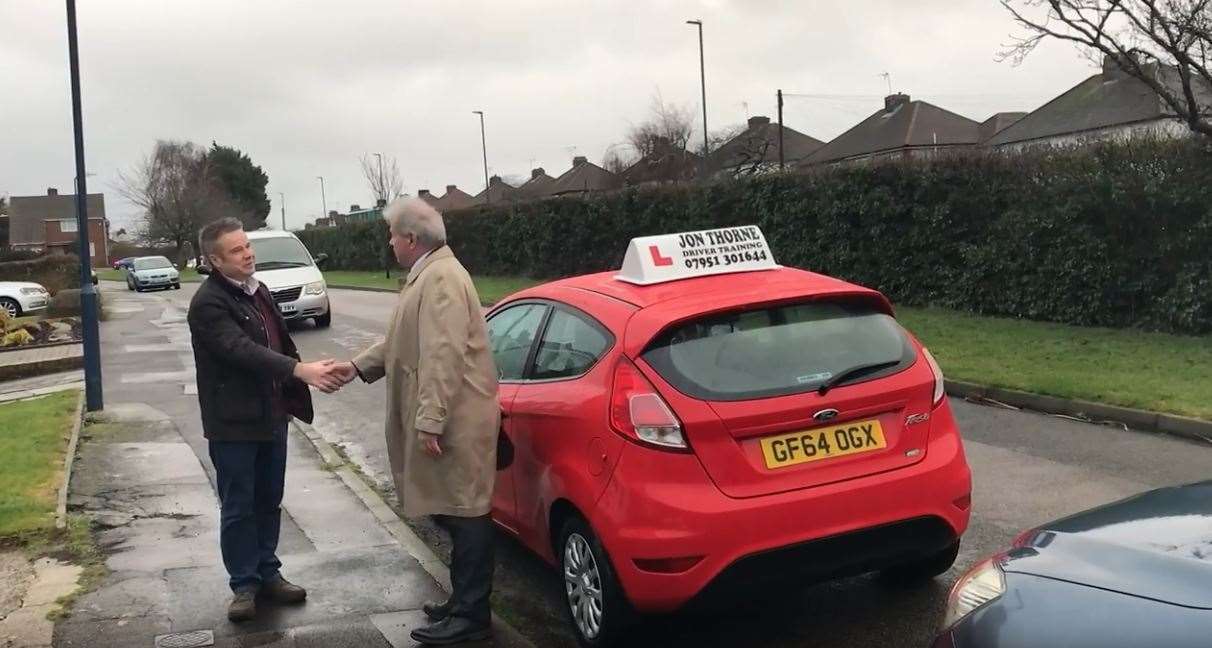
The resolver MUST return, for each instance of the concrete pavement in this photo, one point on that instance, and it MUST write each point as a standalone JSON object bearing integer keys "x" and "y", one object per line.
{"x": 143, "y": 475}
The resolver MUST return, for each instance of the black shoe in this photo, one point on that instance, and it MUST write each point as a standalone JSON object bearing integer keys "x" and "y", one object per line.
{"x": 436, "y": 611}
{"x": 451, "y": 630}
{"x": 243, "y": 605}
{"x": 281, "y": 590}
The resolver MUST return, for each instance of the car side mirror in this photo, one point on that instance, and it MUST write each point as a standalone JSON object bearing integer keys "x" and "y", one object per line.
{"x": 321, "y": 259}
{"x": 203, "y": 270}
{"x": 176, "y": 267}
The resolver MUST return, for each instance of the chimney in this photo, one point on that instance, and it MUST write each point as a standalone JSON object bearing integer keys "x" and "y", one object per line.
{"x": 894, "y": 101}
{"x": 51, "y": 191}
{"x": 535, "y": 173}
{"x": 1112, "y": 70}
{"x": 354, "y": 208}
{"x": 423, "y": 193}
{"x": 758, "y": 121}
{"x": 381, "y": 203}
{"x": 579, "y": 160}
{"x": 451, "y": 188}
{"x": 332, "y": 213}
{"x": 494, "y": 180}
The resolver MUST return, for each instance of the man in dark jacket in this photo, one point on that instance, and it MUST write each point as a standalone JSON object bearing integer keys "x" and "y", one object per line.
{"x": 250, "y": 382}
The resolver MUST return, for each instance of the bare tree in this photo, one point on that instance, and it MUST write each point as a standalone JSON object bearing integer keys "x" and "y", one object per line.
{"x": 668, "y": 122}
{"x": 617, "y": 159}
{"x": 720, "y": 137}
{"x": 1165, "y": 44}
{"x": 178, "y": 193}
{"x": 383, "y": 176}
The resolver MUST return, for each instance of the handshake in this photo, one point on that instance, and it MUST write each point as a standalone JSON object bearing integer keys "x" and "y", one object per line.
{"x": 326, "y": 375}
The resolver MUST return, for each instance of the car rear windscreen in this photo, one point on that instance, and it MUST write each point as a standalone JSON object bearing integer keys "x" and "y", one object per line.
{"x": 779, "y": 350}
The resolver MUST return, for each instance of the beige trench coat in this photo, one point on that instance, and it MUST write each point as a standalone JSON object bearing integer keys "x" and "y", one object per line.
{"x": 441, "y": 379}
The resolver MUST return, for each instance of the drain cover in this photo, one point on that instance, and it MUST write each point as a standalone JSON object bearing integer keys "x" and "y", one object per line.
{"x": 194, "y": 639}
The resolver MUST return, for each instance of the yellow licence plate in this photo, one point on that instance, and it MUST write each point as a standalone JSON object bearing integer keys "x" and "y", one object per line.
{"x": 823, "y": 443}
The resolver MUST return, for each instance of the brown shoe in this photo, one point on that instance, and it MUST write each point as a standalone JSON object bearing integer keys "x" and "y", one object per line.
{"x": 281, "y": 590}
{"x": 243, "y": 605}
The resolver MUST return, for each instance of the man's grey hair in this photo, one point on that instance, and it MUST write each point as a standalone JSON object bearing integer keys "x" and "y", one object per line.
{"x": 210, "y": 233}
{"x": 417, "y": 217}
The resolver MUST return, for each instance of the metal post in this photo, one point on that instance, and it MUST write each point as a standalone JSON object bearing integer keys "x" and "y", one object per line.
{"x": 323, "y": 199}
{"x": 89, "y": 304}
{"x": 382, "y": 189}
{"x": 484, "y": 147}
{"x": 703, "y": 80}
{"x": 781, "y": 159}
{"x": 283, "y": 196}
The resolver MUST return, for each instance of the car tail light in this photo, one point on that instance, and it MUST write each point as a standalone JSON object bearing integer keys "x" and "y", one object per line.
{"x": 984, "y": 583}
{"x": 940, "y": 385}
{"x": 639, "y": 413}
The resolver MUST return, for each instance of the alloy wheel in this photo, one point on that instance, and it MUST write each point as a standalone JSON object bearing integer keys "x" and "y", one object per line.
{"x": 583, "y": 586}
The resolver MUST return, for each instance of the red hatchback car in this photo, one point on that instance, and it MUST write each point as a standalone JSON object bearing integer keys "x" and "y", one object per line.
{"x": 701, "y": 432}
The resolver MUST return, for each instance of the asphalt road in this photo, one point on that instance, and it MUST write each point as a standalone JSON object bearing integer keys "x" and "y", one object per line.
{"x": 1028, "y": 469}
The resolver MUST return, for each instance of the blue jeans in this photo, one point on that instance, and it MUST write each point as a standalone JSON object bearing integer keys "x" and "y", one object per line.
{"x": 250, "y": 476}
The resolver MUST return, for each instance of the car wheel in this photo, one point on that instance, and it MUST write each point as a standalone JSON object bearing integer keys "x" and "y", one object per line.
{"x": 11, "y": 307}
{"x": 923, "y": 570}
{"x": 324, "y": 321}
{"x": 176, "y": 286}
{"x": 599, "y": 612}
{"x": 129, "y": 285}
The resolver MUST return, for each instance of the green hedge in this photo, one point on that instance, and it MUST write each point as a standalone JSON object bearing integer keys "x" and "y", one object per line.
{"x": 54, "y": 271}
{"x": 1119, "y": 235}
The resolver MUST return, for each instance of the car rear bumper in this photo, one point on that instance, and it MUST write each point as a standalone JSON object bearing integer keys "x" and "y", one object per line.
{"x": 662, "y": 505}
{"x": 305, "y": 306}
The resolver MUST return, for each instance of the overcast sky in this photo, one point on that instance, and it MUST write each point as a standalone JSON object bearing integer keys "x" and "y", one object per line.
{"x": 307, "y": 86}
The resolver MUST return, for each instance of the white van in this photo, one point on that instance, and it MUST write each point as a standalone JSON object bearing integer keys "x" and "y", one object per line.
{"x": 292, "y": 276}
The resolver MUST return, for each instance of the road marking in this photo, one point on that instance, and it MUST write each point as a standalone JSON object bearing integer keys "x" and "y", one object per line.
{"x": 158, "y": 376}
{"x": 151, "y": 348}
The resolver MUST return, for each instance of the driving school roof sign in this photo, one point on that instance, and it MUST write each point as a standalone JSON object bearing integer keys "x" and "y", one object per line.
{"x": 669, "y": 257}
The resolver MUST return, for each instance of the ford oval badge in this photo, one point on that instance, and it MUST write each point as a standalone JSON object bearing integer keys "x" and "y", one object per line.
{"x": 825, "y": 415}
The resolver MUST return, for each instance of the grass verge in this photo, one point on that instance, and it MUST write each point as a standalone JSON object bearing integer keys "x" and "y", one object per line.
{"x": 1152, "y": 371}
{"x": 490, "y": 289}
{"x": 33, "y": 445}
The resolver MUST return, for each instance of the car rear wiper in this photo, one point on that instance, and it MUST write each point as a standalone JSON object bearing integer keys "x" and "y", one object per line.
{"x": 852, "y": 372}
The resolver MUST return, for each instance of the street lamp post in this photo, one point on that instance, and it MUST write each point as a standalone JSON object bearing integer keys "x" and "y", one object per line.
{"x": 484, "y": 147}
{"x": 89, "y": 304}
{"x": 703, "y": 81}
{"x": 323, "y": 199}
{"x": 283, "y": 197}
{"x": 382, "y": 190}
{"x": 387, "y": 256}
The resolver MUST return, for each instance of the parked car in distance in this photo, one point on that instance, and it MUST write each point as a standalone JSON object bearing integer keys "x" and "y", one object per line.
{"x": 150, "y": 272}
{"x": 123, "y": 263}
{"x": 20, "y": 298}
{"x": 1137, "y": 572}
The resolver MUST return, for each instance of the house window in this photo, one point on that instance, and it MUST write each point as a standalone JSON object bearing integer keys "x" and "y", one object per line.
{"x": 67, "y": 226}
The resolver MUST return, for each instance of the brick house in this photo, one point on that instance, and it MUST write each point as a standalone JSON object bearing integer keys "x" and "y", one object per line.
{"x": 49, "y": 223}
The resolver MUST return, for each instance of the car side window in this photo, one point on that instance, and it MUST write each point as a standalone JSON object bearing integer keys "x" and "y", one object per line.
{"x": 570, "y": 346}
{"x": 512, "y": 332}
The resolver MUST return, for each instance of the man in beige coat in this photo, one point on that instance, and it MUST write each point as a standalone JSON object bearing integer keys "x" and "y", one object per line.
{"x": 443, "y": 415}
